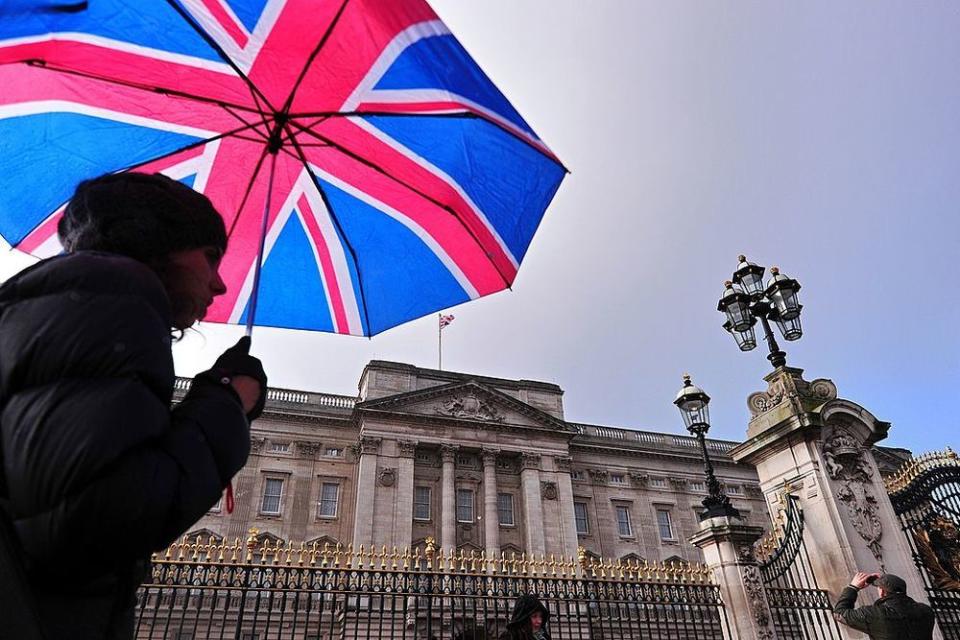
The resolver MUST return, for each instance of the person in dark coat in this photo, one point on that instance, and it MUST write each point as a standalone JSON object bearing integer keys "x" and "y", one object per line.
{"x": 529, "y": 620}
{"x": 894, "y": 616}
{"x": 97, "y": 470}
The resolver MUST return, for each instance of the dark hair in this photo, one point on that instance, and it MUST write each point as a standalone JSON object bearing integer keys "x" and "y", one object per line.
{"x": 142, "y": 216}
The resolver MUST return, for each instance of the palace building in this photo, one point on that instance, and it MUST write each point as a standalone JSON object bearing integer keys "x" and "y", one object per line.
{"x": 478, "y": 464}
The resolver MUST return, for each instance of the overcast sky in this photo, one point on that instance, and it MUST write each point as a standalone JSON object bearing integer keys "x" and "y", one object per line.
{"x": 822, "y": 137}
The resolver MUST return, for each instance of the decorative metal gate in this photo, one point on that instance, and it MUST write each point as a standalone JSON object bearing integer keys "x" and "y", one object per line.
{"x": 925, "y": 495}
{"x": 212, "y": 590}
{"x": 798, "y": 606}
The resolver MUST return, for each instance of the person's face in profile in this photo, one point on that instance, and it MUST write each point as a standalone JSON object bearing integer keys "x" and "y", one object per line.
{"x": 536, "y": 621}
{"x": 193, "y": 281}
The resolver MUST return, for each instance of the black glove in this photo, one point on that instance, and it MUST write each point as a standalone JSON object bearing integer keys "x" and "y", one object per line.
{"x": 236, "y": 361}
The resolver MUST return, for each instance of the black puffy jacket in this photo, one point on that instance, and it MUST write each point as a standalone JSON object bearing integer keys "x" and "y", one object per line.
{"x": 893, "y": 617}
{"x": 98, "y": 471}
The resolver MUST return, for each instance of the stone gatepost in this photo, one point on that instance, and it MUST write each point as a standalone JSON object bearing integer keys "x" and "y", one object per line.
{"x": 804, "y": 438}
{"x": 727, "y": 548}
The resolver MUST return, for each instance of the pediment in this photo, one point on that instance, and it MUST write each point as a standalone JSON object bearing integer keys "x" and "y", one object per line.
{"x": 468, "y": 401}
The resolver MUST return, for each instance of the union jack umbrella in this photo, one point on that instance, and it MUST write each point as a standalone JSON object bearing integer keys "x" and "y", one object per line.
{"x": 355, "y": 149}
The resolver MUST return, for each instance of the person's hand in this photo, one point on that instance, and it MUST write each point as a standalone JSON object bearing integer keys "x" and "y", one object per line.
{"x": 862, "y": 579}
{"x": 247, "y": 376}
{"x": 249, "y": 391}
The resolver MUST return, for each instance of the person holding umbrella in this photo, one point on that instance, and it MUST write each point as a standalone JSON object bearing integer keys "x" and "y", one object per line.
{"x": 97, "y": 470}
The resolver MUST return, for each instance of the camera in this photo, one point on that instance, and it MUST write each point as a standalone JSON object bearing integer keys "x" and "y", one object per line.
{"x": 872, "y": 579}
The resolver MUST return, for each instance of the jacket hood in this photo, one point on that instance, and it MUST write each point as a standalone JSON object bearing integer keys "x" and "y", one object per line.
{"x": 88, "y": 272}
{"x": 524, "y": 608}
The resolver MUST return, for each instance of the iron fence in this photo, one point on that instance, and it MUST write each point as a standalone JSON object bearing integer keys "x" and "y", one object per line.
{"x": 925, "y": 495}
{"x": 203, "y": 591}
{"x": 798, "y": 606}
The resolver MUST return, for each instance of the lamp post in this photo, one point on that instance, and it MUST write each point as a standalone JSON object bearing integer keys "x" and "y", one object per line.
{"x": 692, "y": 402}
{"x": 745, "y": 300}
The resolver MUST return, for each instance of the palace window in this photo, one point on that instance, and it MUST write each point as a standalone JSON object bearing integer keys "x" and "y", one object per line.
{"x": 464, "y": 505}
{"x": 665, "y": 525}
{"x": 580, "y": 515}
{"x": 329, "y": 497}
{"x": 578, "y": 474}
{"x": 333, "y": 452}
{"x": 505, "y": 509}
{"x": 618, "y": 478}
{"x": 623, "y": 521}
{"x": 659, "y": 483}
{"x": 421, "y": 503}
{"x": 733, "y": 489}
{"x": 279, "y": 447}
{"x": 272, "y": 494}
{"x": 698, "y": 487}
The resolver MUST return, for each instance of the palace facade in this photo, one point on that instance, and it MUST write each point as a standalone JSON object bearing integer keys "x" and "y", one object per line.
{"x": 478, "y": 464}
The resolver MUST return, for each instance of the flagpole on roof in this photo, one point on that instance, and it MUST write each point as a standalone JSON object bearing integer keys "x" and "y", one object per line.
{"x": 440, "y": 341}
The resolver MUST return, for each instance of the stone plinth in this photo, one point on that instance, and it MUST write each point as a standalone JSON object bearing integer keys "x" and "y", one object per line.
{"x": 727, "y": 548}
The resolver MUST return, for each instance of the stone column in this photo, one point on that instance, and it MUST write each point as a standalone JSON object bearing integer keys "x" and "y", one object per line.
{"x": 568, "y": 528}
{"x": 805, "y": 440}
{"x": 727, "y": 549}
{"x": 532, "y": 509}
{"x": 491, "y": 525}
{"x": 448, "y": 505}
{"x": 403, "y": 508}
{"x": 368, "y": 450}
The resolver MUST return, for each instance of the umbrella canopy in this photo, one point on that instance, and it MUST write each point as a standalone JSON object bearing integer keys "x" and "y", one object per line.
{"x": 383, "y": 172}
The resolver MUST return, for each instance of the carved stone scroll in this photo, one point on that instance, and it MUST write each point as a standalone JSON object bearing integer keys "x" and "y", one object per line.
{"x": 847, "y": 466}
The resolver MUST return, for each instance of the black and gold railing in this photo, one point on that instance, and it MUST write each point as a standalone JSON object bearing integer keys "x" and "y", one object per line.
{"x": 253, "y": 550}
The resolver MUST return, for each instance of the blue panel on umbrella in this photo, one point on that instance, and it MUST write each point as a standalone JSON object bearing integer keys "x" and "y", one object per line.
{"x": 440, "y": 62}
{"x": 150, "y": 24}
{"x": 395, "y": 290}
{"x": 248, "y": 11}
{"x": 502, "y": 175}
{"x": 39, "y": 153}
{"x": 292, "y": 294}
{"x": 189, "y": 180}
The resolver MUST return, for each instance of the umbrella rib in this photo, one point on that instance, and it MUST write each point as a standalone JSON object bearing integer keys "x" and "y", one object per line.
{"x": 336, "y": 221}
{"x": 386, "y": 174}
{"x": 216, "y": 47}
{"x": 192, "y": 145}
{"x": 466, "y": 115}
{"x": 252, "y": 125}
{"x": 314, "y": 54}
{"x": 40, "y": 64}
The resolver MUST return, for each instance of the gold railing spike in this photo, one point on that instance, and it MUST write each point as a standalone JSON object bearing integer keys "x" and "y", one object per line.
{"x": 503, "y": 562}
{"x": 416, "y": 559}
{"x": 406, "y": 559}
{"x": 394, "y": 557}
{"x": 582, "y": 556}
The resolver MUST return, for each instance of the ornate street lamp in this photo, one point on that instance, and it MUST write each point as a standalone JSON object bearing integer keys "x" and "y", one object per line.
{"x": 745, "y": 300}
{"x": 692, "y": 402}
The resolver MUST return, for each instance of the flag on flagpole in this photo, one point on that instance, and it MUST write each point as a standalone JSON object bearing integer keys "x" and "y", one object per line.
{"x": 445, "y": 320}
